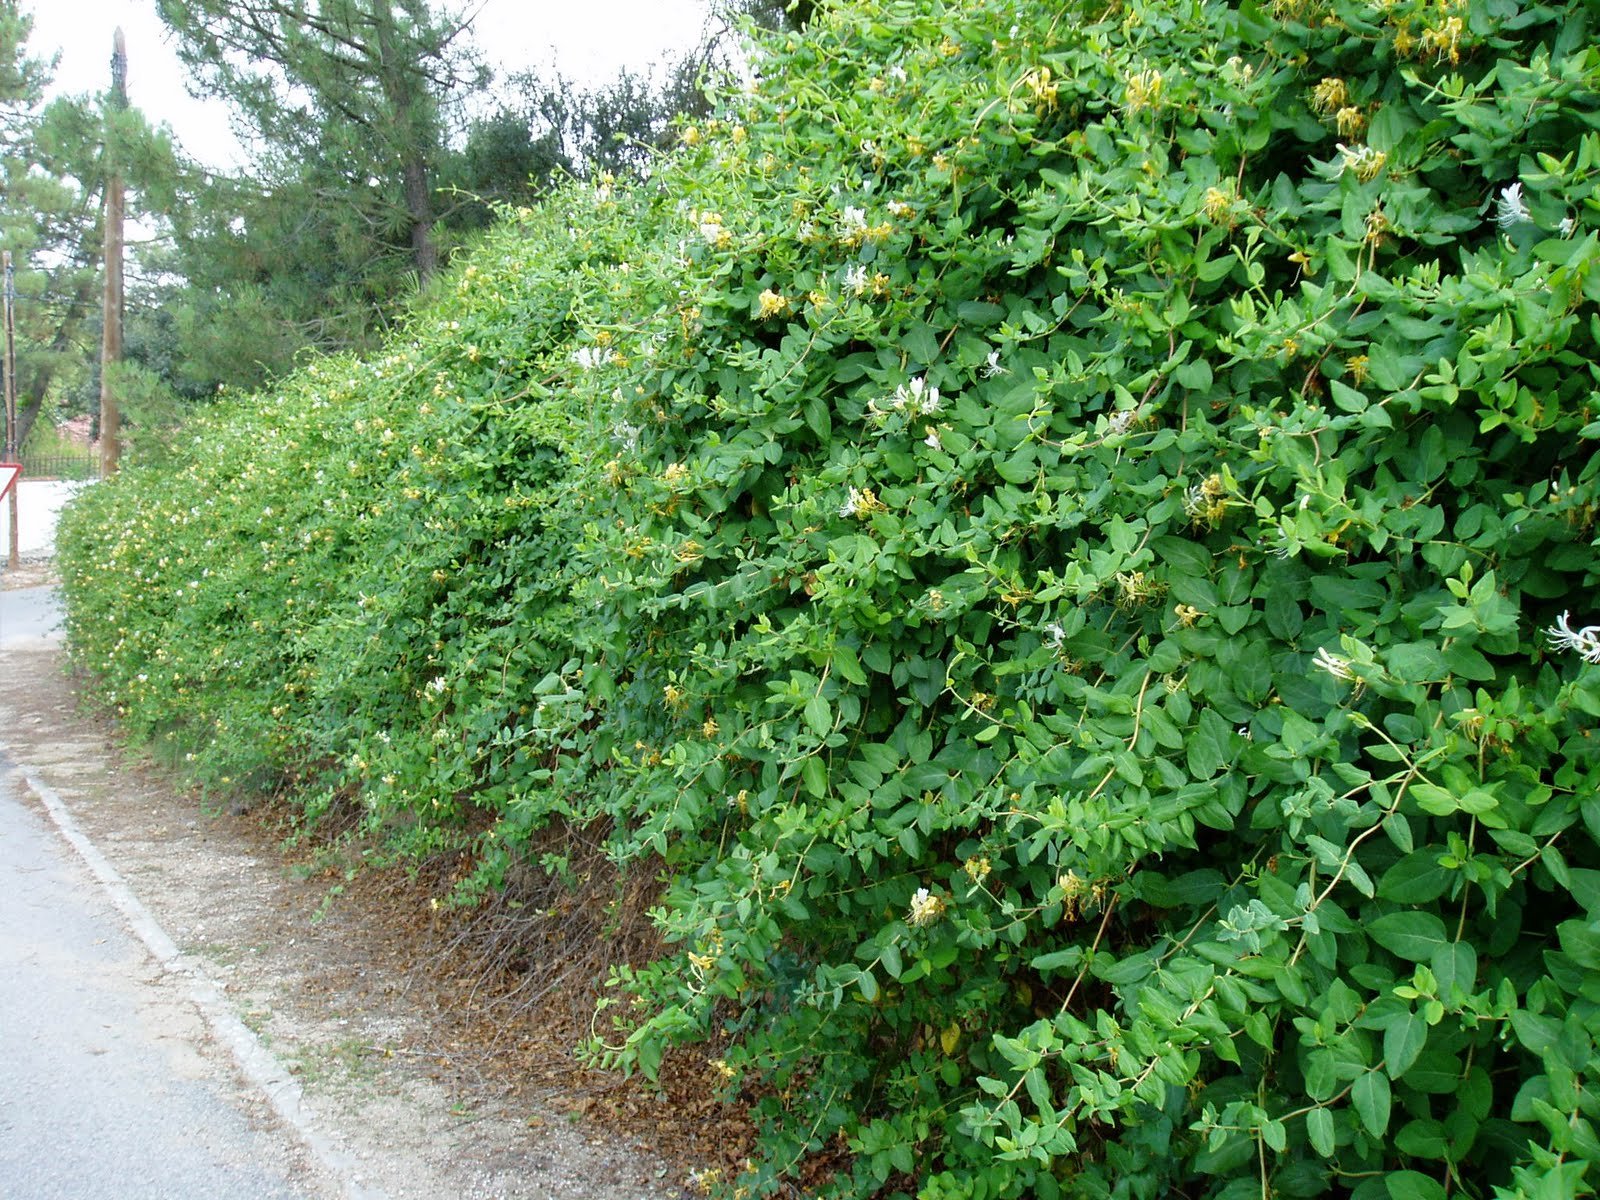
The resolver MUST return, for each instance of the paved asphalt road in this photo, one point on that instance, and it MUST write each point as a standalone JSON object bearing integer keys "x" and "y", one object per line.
{"x": 110, "y": 1086}
{"x": 28, "y": 617}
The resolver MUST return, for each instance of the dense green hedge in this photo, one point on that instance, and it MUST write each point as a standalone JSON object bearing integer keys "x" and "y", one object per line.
{"x": 1064, "y": 534}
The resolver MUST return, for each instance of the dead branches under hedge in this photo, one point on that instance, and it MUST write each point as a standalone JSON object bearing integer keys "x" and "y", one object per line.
{"x": 545, "y": 943}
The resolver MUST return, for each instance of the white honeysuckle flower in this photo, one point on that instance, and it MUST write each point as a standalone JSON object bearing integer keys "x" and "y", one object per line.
{"x": 1568, "y": 224}
{"x": 852, "y": 503}
{"x": 1584, "y": 642}
{"x": 917, "y": 398}
{"x": 932, "y": 440}
{"x": 855, "y": 279}
{"x": 1338, "y": 667}
{"x": 1363, "y": 161}
{"x": 992, "y": 367}
{"x": 1510, "y": 209}
{"x": 926, "y": 908}
{"x": 1119, "y": 422}
{"x": 1055, "y": 634}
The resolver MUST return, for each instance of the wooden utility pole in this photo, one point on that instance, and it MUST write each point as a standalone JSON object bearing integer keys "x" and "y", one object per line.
{"x": 111, "y": 345}
{"x": 10, "y": 363}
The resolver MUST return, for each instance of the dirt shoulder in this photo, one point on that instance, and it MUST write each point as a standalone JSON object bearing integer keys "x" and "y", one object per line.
{"x": 29, "y": 572}
{"x": 358, "y": 986}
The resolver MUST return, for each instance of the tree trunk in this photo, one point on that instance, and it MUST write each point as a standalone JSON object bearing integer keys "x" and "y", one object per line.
{"x": 399, "y": 84}
{"x": 111, "y": 342}
{"x": 419, "y": 204}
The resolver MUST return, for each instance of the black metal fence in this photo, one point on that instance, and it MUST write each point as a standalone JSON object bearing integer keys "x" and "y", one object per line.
{"x": 83, "y": 465}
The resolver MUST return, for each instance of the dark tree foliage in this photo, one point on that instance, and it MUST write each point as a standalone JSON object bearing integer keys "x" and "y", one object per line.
{"x": 380, "y": 147}
{"x": 545, "y": 129}
{"x": 346, "y": 95}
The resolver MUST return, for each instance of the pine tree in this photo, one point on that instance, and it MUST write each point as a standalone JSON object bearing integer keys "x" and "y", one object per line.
{"x": 49, "y": 217}
{"x": 344, "y": 103}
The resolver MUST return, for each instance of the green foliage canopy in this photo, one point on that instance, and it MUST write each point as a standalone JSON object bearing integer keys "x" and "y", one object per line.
{"x": 1067, "y": 538}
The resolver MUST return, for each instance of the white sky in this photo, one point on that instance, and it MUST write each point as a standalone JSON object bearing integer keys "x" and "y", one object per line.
{"x": 588, "y": 41}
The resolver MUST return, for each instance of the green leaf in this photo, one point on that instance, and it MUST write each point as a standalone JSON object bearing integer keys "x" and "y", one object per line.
{"x": 1413, "y": 1185}
{"x": 1581, "y": 940}
{"x": 1555, "y": 862}
{"x": 1535, "y": 1031}
{"x": 1320, "y": 1132}
{"x": 650, "y": 1057}
{"x": 1275, "y": 1136}
{"x": 1347, "y": 398}
{"x": 1209, "y": 747}
{"x": 1455, "y": 966}
{"x": 819, "y": 716}
{"x": 1020, "y": 467}
{"x": 1443, "y": 802}
{"x": 1413, "y": 936}
{"x": 1416, "y": 662}
{"x": 1196, "y": 375}
{"x": 922, "y": 342}
{"x": 1191, "y": 888}
{"x": 1058, "y": 960}
{"x": 848, "y": 665}
{"x": 979, "y": 313}
{"x": 814, "y": 774}
{"x": 1585, "y": 886}
{"x": 1417, "y": 878}
{"x": 1322, "y": 1074}
{"x": 868, "y": 983}
{"x": 1403, "y": 1040}
{"x": 1252, "y": 672}
{"x": 1423, "y": 1138}
{"x": 818, "y": 417}
{"x": 1371, "y": 1098}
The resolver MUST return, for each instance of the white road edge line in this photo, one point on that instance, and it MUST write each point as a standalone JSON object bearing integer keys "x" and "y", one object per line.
{"x": 255, "y": 1062}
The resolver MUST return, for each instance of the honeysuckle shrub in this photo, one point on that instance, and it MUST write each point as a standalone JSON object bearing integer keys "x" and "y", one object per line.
{"x": 1064, "y": 535}
{"x": 352, "y": 582}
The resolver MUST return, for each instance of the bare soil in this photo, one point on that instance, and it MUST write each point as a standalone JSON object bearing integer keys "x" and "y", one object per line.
{"x": 399, "y": 1031}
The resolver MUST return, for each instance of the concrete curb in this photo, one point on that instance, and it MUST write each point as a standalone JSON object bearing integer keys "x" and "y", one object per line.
{"x": 264, "y": 1072}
